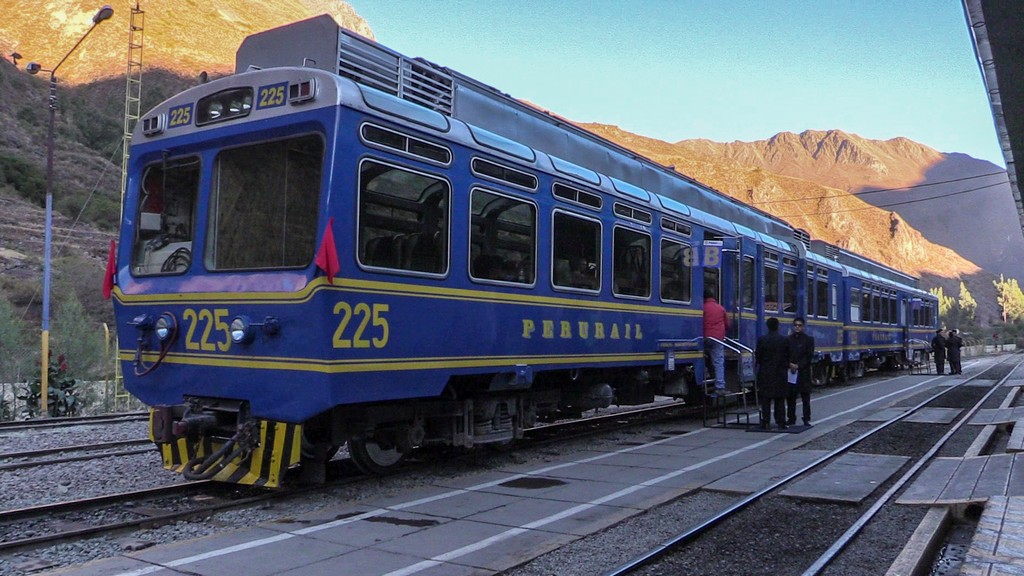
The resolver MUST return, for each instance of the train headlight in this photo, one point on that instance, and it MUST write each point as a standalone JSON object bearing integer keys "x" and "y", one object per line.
{"x": 242, "y": 331}
{"x": 165, "y": 327}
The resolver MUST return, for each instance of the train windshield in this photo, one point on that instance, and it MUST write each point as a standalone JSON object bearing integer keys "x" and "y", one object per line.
{"x": 165, "y": 220}
{"x": 264, "y": 205}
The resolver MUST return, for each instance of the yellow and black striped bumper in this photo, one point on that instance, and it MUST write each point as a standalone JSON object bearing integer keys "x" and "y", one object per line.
{"x": 280, "y": 446}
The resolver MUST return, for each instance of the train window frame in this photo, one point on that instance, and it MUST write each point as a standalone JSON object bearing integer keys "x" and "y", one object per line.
{"x": 789, "y": 292}
{"x": 175, "y": 253}
{"x": 821, "y": 285}
{"x": 662, "y": 275}
{"x": 768, "y": 271}
{"x": 865, "y": 303}
{"x": 584, "y": 268}
{"x": 577, "y": 193}
{"x": 810, "y": 299}
{"x": 676, "y": 227}
{"x": 362, "y": 245}
{"x": 749, "y": 282}
{"x": 214, "y": 259}
{"x": 855, "y": 304}
{"x": 616, "y": 230}
{"x": 627, "y": 212}
{"x": 834, "y": 291}
{"x": 404, "y": 151}
{"x": 476, "y": 262}
{"x": 476, "y": 161}
{"x": 877, "y": 315}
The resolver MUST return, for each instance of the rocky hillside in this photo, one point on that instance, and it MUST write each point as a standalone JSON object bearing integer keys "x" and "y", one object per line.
{"x": 186, "y": 37}
{"x": 927, "y": 189}
{"x": 827, "y": 213}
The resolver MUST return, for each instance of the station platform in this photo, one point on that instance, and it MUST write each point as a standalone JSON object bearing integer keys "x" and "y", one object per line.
{"x": 498, "y": 519}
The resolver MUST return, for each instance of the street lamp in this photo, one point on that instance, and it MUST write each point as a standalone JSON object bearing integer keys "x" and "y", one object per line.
{"x": 34, "y": 68}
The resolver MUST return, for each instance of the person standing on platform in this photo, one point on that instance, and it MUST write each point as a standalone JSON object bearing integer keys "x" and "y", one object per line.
{"x": 772, "y": 357}
{"x": 953, "y": 345}
{"x": 939, "y": 350}
{"x": 716, "y": 322}
{"x": 801, "y": 354}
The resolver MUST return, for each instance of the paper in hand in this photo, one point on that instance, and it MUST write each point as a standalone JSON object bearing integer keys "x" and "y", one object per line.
{"x": 791, "y": 377}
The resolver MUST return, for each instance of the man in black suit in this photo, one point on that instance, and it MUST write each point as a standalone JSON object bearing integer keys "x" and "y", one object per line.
{"x": 953, "y": 345}
{"x": 801, "y": 354}
{"x": 939, "y": 350}
{"x": 772, "y": 356}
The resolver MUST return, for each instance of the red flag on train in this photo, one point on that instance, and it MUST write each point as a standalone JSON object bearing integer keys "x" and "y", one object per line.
{"x": 327, "y": 255}
{"x": 108, "y": 278}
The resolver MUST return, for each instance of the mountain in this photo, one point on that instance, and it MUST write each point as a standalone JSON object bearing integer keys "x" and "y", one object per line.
{"x": 827, "y": 213}
{"x": 187, "y": 37}
{"x": 926, "y": 188}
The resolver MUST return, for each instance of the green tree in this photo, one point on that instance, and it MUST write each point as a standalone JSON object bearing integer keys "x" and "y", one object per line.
{"x": 15, "y": 355}
{"x": 1010, "y": 299}
{"x": 948, "y": 310}
{"x": 968, "y": 306}
{"x": 79, "y": 338}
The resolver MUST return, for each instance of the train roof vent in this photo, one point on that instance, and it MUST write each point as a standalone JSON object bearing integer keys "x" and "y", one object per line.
{"x": 415, "y": 80}
{"x": 803, "y": 237}
{"x": 832, "y": 252}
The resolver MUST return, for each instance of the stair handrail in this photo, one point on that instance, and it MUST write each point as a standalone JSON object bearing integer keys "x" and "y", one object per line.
{"x": 734, "y": 345}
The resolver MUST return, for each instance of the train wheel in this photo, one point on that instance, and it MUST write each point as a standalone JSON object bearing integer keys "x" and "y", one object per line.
{"x": 371, "y": 458}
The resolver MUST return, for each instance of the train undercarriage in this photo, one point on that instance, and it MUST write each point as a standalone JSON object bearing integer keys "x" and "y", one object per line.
{"x": 217, "y": 439}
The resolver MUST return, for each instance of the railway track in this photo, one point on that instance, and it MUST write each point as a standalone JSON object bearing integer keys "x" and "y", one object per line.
{"x": 115, "y": 513}
{"x": 662, "y": 559}
{"x": 34, "y": 458}
{"x": 119, "y": 513}
{"x": 65, "y": 421}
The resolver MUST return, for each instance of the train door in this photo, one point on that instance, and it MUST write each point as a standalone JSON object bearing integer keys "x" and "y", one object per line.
{"x": 737, "y": 282}
{"x": 749, "y": 323}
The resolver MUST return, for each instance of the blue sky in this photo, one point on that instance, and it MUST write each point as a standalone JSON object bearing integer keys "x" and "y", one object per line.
{"x": 718, "y": 69}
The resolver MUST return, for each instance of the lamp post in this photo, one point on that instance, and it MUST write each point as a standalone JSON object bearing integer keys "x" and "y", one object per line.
{"x": 34, "y": 68}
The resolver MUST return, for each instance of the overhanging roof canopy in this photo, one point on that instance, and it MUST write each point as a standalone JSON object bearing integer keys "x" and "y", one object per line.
{"x": 997, "y": 27}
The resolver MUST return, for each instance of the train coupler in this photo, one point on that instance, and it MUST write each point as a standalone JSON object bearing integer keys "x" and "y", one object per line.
{"x": 257, "y": 454}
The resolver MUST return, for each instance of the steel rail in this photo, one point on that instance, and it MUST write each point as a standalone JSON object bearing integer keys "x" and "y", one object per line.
{"x": 699, "y": 529}
{"x": 829, "y": 555}
{"x": 62, "y": 421}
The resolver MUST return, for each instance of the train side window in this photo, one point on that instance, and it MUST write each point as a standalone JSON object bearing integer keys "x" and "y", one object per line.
{"x": 747, "y": 290}
{"x": 576, "y": 252}
{"x": 821, "y": 300}
{"x": 876, "y": 307}
{"x": 809, "y": 301}
{"x": 865, "y": 304}
{"x": 676, "y": 273}
{"x": 893, "y": 318}
{"x": 771, "y": 290}
{"x": 403, "y": 219}
{"x": 855, "y": 303}
{"x": 789, "y": 292}
{"x": 165, "y": 221}
{"x": 503, "y": 238}
{"x": 631, "y": 268}
{"x": 264, "y": 205}
{"x": 835, "y": 303}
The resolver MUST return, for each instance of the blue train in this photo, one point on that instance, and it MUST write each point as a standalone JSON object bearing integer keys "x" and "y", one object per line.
{"x": 339, "y": 244}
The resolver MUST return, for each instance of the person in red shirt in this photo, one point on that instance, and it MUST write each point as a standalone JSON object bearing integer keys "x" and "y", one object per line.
{"x": 716, "y": 322}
